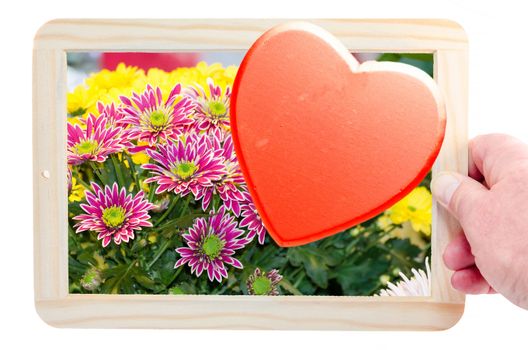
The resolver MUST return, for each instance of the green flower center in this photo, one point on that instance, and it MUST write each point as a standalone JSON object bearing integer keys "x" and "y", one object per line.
{"x": 217, "y": 108}
{"x": 411, "y": 208}
{"x": 90, "y": 277}
{"x": 86, "y": 147}
{"x": 262, "y": 285}
{"x": 158, "y": 119}
{"x": 212, "y": 246}
{"x": 91, "y": 280}
{"x": 113, "y": 216}
{"x": 185, "y": 170}
{"x": 176, "y": 291}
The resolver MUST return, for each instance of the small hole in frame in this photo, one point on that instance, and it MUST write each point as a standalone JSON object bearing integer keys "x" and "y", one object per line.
{"x": 45, "y": 174}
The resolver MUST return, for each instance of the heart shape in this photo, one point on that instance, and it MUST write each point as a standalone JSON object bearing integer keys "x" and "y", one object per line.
{"x": 324, "y": 142}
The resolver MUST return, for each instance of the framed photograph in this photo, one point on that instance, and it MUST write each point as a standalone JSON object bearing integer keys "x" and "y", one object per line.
{"x": 143, "y": 218}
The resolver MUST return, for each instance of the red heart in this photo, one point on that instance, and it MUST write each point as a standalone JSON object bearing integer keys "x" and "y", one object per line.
{"x": 325, "y": 143}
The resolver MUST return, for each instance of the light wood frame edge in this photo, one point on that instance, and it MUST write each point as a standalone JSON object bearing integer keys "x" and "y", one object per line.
{"x": 58, "y": 308}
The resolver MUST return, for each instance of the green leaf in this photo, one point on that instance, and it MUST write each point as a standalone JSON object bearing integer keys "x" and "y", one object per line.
{"x": 186, "y": 221}
{"x": 284, "y": 283}
{"x": 423, "y": 61}
{"x": 306, "y": 287}
{"x": 183, "y": 288}
{"x": 314, "y": 261}
{"x": 360, "y": 279}
{"x": 147, "y": 282}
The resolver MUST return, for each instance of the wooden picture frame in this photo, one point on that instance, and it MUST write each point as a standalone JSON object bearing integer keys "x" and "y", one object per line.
{"x": 57, "y": 307}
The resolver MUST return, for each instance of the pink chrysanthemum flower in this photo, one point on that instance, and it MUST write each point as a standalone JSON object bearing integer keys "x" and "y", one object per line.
{"x": 263, "y": 283}
{"x": 231, "y": 186}
{"x": 153, "y": 120}
{"x": 211, "y": 243}
{"x": 212, "y": 108}
{"x": 113, "y": 214}
{"x": 251, "y": 220}
{"x": 95, "y": 142}
{"x": 186, "y": 165}
{"x": 69, "y": 179}
{"x": 113, "y": 114}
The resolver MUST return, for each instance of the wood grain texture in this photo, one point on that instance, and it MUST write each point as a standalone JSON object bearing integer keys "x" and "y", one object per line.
{"x": 440, "y": 311}
{"x": 451, "y": 76}
{"x": 242, "y": 312}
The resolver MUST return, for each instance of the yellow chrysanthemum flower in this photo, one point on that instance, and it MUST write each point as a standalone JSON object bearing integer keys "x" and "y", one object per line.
{"x": 217, "y": 72}
{"x": 123, "y": 77}
{"x": 105, "y": 86}
{"x": 76, "y": 121}
{"x": 158, "y": 78}
{"x": 112, "y": 95}
{"x": 199, "y": 74}
{"x": 77, "y": 191}
{"x": 121, "y": 159}
{"x": 140, "y": 158}
{"x": 82, "y": 100}
{"x": 416, "y": 208}
{"x": 405, "y": 231}
{"x": 145, "y": 187}
{"x": 152, "y": 237}
{"x": 384, "y": 221}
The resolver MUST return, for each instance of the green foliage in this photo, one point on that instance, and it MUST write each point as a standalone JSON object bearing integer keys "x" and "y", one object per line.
{"x": 424, "y": 61}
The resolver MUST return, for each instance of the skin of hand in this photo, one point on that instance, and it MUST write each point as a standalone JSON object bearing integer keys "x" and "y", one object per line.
{"x": 491, "y": 205}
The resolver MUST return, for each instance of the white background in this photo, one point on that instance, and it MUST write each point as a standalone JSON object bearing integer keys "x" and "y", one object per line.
{"x": 498, "y": 35}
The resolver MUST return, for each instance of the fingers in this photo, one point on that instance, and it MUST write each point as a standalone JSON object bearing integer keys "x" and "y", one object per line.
{"x": 473, "y": 171}
{"x": 494, "y": 156}
{"x": 470, "y": 281}
{"x": 466, "y": 278}
{"x": 457, "y": 255}
{"x": 460, "y": 194}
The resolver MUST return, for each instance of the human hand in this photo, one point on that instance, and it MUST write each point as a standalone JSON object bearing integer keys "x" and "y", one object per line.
{"x": 492, "y": 208}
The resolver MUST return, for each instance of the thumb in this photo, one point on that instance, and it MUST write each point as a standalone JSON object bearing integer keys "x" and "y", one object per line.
{"x": 459, "y": 194}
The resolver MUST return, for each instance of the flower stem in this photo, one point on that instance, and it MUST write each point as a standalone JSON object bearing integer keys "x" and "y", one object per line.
{"x": 118, "y": 283}
{"x": 284, "y": 283}
{"x": 186, "y": 204}
{"x": 169, "y": 209}
{"x": 117, "y": 168}
{"x": 87, "y": 186}
{"x": 162, "y": 249}
{"x": 397, "y": 256}
{"x": 262, "y": 258}
{"x": 173, "y": 277}
{"x": 152, "y": 192}
{"x": 215, "y": 203}
{"x": 97, "y": 172}
{"x": 134, "y": 174}
{"x": 167, "y": 223}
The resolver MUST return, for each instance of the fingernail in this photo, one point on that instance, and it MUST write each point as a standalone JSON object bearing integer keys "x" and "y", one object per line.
{"x": 443, "y": 186}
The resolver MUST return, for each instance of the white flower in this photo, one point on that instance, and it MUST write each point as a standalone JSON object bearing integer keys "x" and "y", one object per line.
{"x": 417, "y": 286}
